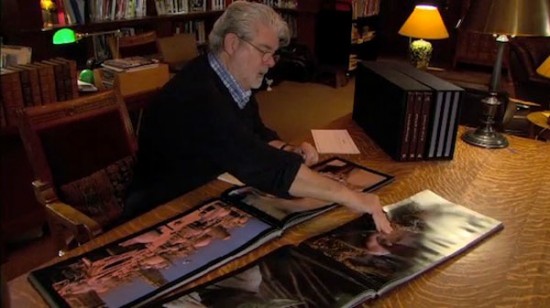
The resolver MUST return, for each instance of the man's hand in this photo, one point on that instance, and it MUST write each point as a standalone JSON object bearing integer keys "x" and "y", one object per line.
{"x": 308, "y": 153}
{"x": 370, "y": 203}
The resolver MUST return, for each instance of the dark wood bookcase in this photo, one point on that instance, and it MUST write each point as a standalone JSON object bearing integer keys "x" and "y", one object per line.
{"x": 22, "y": 24}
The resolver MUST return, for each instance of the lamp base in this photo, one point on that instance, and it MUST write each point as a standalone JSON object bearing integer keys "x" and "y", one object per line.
{"x": 485, "y": 137}
{"x": 420, "y": 53}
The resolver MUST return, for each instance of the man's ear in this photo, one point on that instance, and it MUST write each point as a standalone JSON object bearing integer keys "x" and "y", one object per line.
{"x": 231, "y": 43}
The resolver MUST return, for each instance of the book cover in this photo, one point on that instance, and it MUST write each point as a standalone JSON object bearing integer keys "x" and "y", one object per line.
{"x": 142, "y": 267}
{"x": 384, "y": 106}
{"x": 365, "y": 264}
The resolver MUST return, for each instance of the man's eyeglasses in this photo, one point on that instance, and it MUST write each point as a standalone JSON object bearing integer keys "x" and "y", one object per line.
{"x": 266, "y": 54}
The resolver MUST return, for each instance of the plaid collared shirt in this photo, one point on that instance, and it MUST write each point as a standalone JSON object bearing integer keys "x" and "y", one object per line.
{"x": 240, "y": 96}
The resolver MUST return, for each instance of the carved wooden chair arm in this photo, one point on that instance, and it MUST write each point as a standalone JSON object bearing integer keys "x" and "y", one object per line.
{"x": 63, "y": 217}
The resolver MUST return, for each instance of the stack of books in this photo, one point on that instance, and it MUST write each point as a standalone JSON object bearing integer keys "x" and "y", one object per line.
{"x": 411, "y": 114}
{"x": 35, "y": 84}
{"x": 110, "y": 68}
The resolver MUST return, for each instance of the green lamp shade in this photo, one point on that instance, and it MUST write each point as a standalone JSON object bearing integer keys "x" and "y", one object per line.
{"x": 87, "y": 75}
{"x": 64, "y": 36}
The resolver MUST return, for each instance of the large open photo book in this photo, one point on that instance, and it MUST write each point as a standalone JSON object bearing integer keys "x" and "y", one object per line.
{"x": 352, "y": 263}
{"x": 142, "y": 267}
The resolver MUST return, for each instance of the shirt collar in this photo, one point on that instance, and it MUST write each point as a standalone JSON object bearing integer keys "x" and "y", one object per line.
{"x": 240, "y": 96}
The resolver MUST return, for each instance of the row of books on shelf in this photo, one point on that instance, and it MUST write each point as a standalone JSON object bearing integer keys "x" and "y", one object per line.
{"x": 365, "y": 8}
{"x": 78, "y": 12}
{"x": 196, "y": 27}
{"x": 169, "y": 7}
{"x": 73, "y": 12}
{"x": 36, "y": 84}
{"x": 411, "y": 114}
{"x": 143, "y": 268}
{"x": 105, "y": 10}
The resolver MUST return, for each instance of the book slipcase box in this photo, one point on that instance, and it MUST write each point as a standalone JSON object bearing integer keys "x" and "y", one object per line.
{"x": 135, "y": 81}
{"x": 410, "y": 114}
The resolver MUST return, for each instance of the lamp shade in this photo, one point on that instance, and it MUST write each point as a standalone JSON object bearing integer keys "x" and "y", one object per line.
{"x": 64, "y": 36}
{"x": 425, "y": 22}
{"x": 544, "y": 68}
{"x": 509, "y": 17}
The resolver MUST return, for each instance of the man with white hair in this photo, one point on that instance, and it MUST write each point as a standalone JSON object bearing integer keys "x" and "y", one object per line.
{"x": 205, "y": 121}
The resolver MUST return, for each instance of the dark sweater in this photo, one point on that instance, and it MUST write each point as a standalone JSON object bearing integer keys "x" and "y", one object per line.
{"x": 193, "y": 131}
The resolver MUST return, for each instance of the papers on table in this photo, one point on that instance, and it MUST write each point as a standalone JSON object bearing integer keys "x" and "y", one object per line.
{"x": 229, "y": 178}
{"x": 334, "y": 141}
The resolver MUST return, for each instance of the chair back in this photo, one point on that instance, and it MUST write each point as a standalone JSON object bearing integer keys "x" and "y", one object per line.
{"x": 135, "y": 45}
{"x": 177, "y": 50}
{"x": 83, "y": 149}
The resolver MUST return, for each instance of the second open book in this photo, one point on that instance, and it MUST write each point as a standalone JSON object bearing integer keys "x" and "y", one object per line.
{"x": 144, "y": 266}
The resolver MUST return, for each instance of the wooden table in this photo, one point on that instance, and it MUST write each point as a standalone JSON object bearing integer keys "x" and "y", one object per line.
{"x": 511, "y": 268}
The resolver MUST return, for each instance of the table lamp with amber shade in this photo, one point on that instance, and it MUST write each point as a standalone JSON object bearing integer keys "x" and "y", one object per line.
{"x": 425, "y": 22}
{"x": 503, "y": 19}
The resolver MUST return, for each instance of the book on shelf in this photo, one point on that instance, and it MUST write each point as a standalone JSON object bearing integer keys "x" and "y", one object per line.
{"x": 388, "y": 105}
{"x": 351, "y": 264}
{"x": 135, "y": 270}
{"x": 34, "y": 82}
{"x": 130, "y": 64}
{"x": 25, "y": 82}
{"x": 47, "y": 82}
{"x": 12, "y": 94}
{"x": 60, "y": 79}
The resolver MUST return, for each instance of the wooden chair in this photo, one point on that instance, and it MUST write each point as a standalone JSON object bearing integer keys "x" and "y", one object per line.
{"x": 82, "y": 152}
{"x": 177, "y": 50}
{"x": 143, "y": 44}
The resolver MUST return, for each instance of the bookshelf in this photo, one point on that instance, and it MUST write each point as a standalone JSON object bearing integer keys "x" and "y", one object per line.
{"x": 23, "y": 23}
{"x": 346, "y": 32}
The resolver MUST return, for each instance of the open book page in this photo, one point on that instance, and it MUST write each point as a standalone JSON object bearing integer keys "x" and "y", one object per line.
{"x": 283, "y": 278}
{"x": 428, "y": 231}
{"x": 285, "y": 212}
{"x": 150, "y": 263}
{"x": 350, "y": 264}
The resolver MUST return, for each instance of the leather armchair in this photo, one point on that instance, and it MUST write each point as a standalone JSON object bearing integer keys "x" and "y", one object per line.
{"x": 526, "y": 54}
